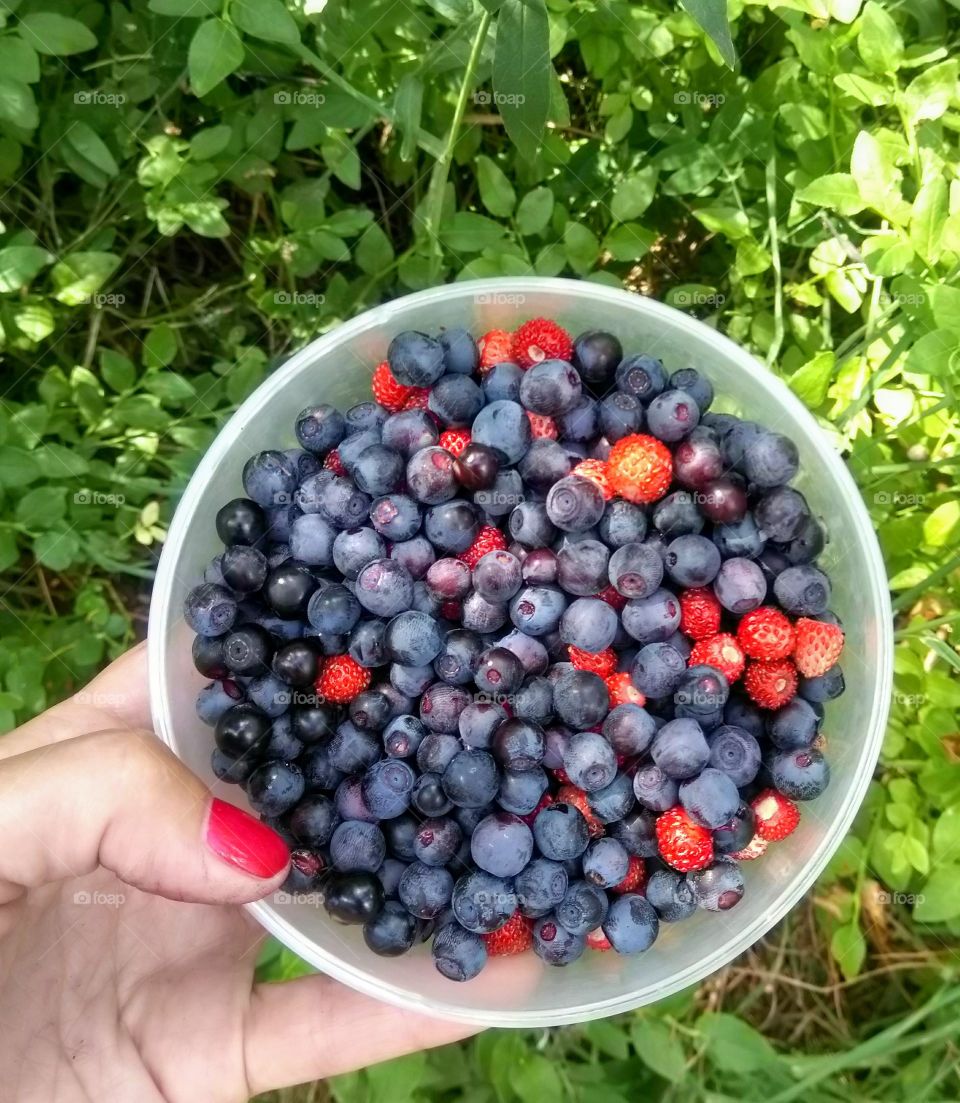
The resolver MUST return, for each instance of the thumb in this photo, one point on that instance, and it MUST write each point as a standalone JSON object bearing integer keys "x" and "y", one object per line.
{"x": 120, "y": 799}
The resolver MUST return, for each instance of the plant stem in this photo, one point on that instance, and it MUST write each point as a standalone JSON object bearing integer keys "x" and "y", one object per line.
{"x": 433, "y": 208}
{"x": 774, "y": 351}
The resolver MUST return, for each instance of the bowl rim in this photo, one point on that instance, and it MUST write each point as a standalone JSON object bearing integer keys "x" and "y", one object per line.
{"x": 877, "y": 595}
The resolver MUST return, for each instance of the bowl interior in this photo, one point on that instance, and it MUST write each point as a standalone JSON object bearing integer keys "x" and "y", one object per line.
{"x": 336, "y": 369}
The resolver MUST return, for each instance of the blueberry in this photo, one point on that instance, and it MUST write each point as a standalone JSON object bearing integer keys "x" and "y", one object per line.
{"x": 702, "y": 690}
{"x": 320, "y": 428}
{"x": 356, "y": 845}
{"x": 520, "y": 791}
{"x": 781, "y": 513}
{"x": 554, "y": 944}
{"x": 622, "y": 523}
{"x": 384, "y": 587}
{"x": 613, "y": 801}
{"x": 455, "y": 400}
{"x": 499, "y": 671}
{"x": 692, "y": 560}
{"x": 694, "y": 384}
{"x": 477, "y": 467}
{"x": 319, "y": 771}
{"x": 560, "y": 832}
{"x": 719, "y": 887}
{"x": 354, "y": 548}
{"x": 270, "y": 694}
{"x": 654, "y": 788}
{"x": 459, "y": 657}
{"x": 741, "y": 539}
{"x": 635, "y": 570}
{"x": 799, "y": 775}
{"x": 736, "y": 438}
{"x": 605, "y": 864}
{"x": 743, "y": 713}
{"x": 580, "y": 698}
{"x": 234, "y": 771}
{"x": 531, "y": 652}
{"x": 333, "y": 609}
{"x": 680, "y": 749}
{"x": 657, "y": 669}
{"x": 574, "y": 504}
{"x": 449, "y": 579}
{"x": 452, "y": 526}
{"x": 596, "y": 355}
{"x": 737, "y": 832}
{"x": 736, "y": 752}
{"x": 530, "y": 525}
{"x": 620, "y": 415}
{"x": 672, "y": 415}
{"x": 518, "y": 745}
{"x": 479, "y": 615}
{"x": 352, "y": 750}
{"x": 366, "y": 645}
{"x": 582, "y": 566}
{"x": 710, "y": 799}
{"x": 311, "y": 540}
{"x": 808, "y": 543}
{"x": 536, "y": 610}
{"x": 417, "y": 555}
{"x": 503, "y": 426}
{"x": 652, "y": 619}
{"x": 248, "y": 650}
{"x": 306, "y": 870}
{"x": 210, "y": 610}
{"x": 540, "y": 886}
{"x": 502, "y": 382}
{"x": 740, "y": 585}
{"x": 425, "y": 890}
{"x": 441, "y": 707}
{"x": 365, "y": 417}
{"x": 460, "y": 353}
{"x": 589, "y": 624}
{"x": 642, "y": 376}
{"x": 483, "y": 902}
{"x": 270, "y": 479}
{"x": 545, "y": 463}
{"x": 274, "y": 788}
{"x": 550, "y": 387}
{"x": 501, "y": 844}
{"x": 428, "y": 797}
{"x": 584, "y": 904}
{"x": 437, "y": 841}
{"x": 341, "y": 503}
{"x": 387, "y": 786}
{"x": 389, "y": 874}
{"x": 391, "y": 932}
{"x": 590, "y": 761}
{"x": 637, "y": 831}
{"x": 402, "y": 736}
{"x": 458, "y": 954}
{"x": 470, "y": 778}
{"x": 497, "y": 577}
{"x": 723, "y": 501}
{"x": 671, "y": 895}
{"x": 415, "y": 359}
{"x": 312, "y": 820}
{"x": 794, "y": 726}
{"x": 803, "y": 591}
{"x": 413, "y": 639}
{"x": 408, "y": 431}
{"x": 534, "y": 700}
{"x": 631, "y": 925}
{"x": 243, "y": 568}
{"x": 825, "y": 688}
{"x": 581, "y": 422}
{"x": 411, "y": 680}
{"x": 353, "y": 897}
{"x": 770, "y": 459}
{"x": 430, "y": 476}
{"x": 207, "y": 655}
{"x": 400, "y": 834}
{"x": 629, "y": 729}
{"x": 311, "y": 723}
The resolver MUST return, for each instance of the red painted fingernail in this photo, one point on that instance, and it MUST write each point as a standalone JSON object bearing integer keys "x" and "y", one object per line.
{"x": 239, "y": 839}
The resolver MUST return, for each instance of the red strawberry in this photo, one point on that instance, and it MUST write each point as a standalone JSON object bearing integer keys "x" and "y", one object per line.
{"x": 570, "y": 794}
{"x": 818, "y": 646}
{"x": 612, "y": 597}
{"x": 722, "y": 652}
{"x": 635, "y": 879}
{"x": 417, "y": 399}
{"x": 683, "y": 844}
{"x": 494, "y": 348}
{"x": 513, "y": 937}
{"x": 540, "y": 339}
{"x": 603, "y": 662}
{"x": 754, "y": 849}
{"x": 776, "y": 815}
{"x": 454, "y": 440}
{"x": 387, "y": 390}
{"x": 596, "y": 472}
{"x": 765, "y": 633}
{"x": 640, "y": 468}
{"x": 489, "y": 539}
{"x": 597, "y": 940}
{"x": 771, "y": 685}
{"x": 699, "y": 614}
{"x": 622, "y": 691}
{"x": 341, "y": 679}
{"x": 332, "y": 463}
{"x": 542, "y": 427}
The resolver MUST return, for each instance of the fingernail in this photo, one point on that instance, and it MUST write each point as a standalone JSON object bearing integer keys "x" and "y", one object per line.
{"x": 240, "y": 840}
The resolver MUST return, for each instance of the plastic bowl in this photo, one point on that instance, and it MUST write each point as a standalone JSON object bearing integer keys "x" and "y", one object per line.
{"x": 336, "y": 368}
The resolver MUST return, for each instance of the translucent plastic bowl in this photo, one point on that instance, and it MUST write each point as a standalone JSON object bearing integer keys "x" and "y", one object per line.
{"x": 336, "y": 368}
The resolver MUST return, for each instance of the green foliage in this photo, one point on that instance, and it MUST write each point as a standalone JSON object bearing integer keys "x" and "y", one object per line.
{"x": 193, "y": 188}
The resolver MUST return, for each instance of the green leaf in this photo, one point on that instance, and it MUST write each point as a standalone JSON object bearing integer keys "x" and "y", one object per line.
{"x": 729, "y": 221}
{"x": 521, "y": 72}
{"x": 79, "y": 276}
{"x": 928, "y": 95}
{"x": 634, "y": 194}
{"x": 374, "y": 250}
{"x": 19, "y": 264}
{"x": 209, "y": 142}
{"x": 9, "y": 552}
{"x": 408, "y": 105}
{"x": 535, "y": 1079}
{"x": 496, "y": 191}
{"x": 88, "y": 143}
{"x": 940, "y": 898}
{"x": 879, "y": 41}
{"x": 469, "y": 233}
{"x": 878, "y": 179}
{"x": 534, "y": 211}
{"x": 266, "y": 19}
{"x": 926, "y": 220}
{"x": 849, "y": 948}
{"x": 629, "y": 242}
{"x": 56, "y": 35}
{"x": 711, "y": 15}
{"x": 581, "y": 247}
{"x": 396, "y": 1081}
{"x": 17, "y": 104}
{"x": 945, "y": 306}
{"x": 18, "y": 467}
{"x": 160, "y": 347}
{"x": 946, "y": 833}
{"x": 658, "y": 1048}
{"x": 56, "y": 549}
{"x": 42, "y": 507}
{"x": 185, "y": 9}
{"x": 940, "y": 526}
{"x": 215, "y": 52}
{"x": 811, "y": 380}
{"x": 837, "y": 190}
{"x": 734, "y": 1045}
{"x": 866, "y": 91}
{"x": 18, "y": 60}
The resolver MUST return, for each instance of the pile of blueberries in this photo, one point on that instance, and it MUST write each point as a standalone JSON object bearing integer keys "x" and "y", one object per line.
{"x": 447, "y": 653}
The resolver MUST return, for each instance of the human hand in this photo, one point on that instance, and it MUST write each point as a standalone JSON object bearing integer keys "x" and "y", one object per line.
{"x": 126, "y": 966}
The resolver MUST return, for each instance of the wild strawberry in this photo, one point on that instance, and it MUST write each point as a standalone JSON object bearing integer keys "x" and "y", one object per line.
{"x": 722, "y": 652}
{"x": 771, "y": 685}
{"x": 540, "y": 339}
{"x": 765, "y": 633}
{"x": 542, "y": 427}
{"x": 640, "y": 468}
{"x": 454, "y": 440}
{"x": 683, "y": 844}
{"x": 596, "y": 472}
{"x": 597, "y": 940}
{"x": 635, "y": 879}
{"x": 613, "y": 598}
{"x": 529, "y": 817}
{"x": 818, "y": 646}
{"x": 776, "y": 815}
{"x": 570, "y": 794}
{"x": 513, "y": 937}
{"x": 622, "y": 691}
{"x": 494, "y": 348}
{"x": 489, "y": 539}
{"x": 341, "y": 679}
{"x": 603, "y": 662}
{"x": 754, "y": 849}
{"x": 386, "y": 390}
{"x": 699, "y": 614}
{"x": 417, "y": 399}
{"x": 332, "y": 463}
